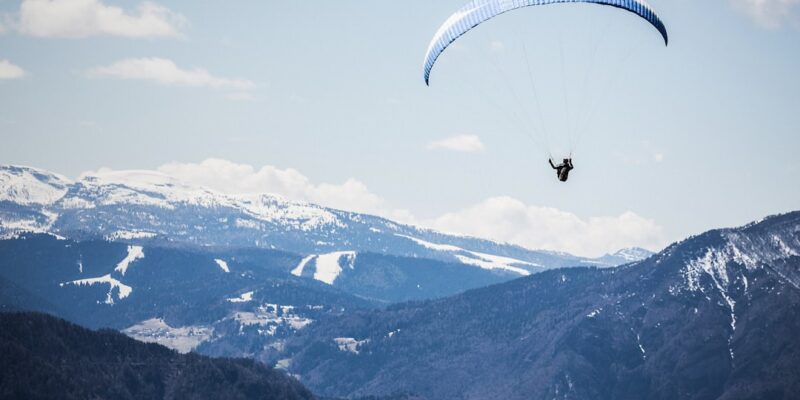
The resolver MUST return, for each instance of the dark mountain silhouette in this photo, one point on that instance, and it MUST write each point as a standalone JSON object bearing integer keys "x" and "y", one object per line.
{"x": 716, "y": 316}
{"x": 44, "y": 357}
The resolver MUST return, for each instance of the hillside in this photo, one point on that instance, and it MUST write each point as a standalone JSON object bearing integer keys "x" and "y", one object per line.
{"x": 713, "y": 317}
{"x": 48, "y": 358}
{"x": 224, "y": 303}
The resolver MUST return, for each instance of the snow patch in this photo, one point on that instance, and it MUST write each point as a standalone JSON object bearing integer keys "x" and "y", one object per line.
{"x": 298, "y": 271}
{"x": 75, "y": 203}
{"x": 222, "y": 265}
{"x": 123, "y": 290}
{"x": 641, "y": 348}
{"x": 349, "y": 345}
{"x": 329, "y": 266}
{"x": 134, "y": 253}
{"x": 23, "y": 225}
{"x": 477, "y": 259}
{"x": 488, "y": 261}
{"x": 248, "y": 224}
{"x": 283, "y": 364}
{"x": 431, "y": 246}
{"x": 244, "y": 298}
{"x": 130, "y": 235}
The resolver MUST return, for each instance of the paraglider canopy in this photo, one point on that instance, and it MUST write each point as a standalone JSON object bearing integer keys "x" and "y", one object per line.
{"x": 477, "y": 12}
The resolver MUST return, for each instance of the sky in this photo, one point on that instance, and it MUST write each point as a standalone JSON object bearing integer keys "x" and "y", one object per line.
{"x": 325, "y": 102}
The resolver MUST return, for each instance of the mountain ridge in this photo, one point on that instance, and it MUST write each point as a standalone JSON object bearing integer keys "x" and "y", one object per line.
{"x": 146, "y": 206}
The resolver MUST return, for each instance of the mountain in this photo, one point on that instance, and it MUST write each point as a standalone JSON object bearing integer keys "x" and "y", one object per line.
{"x": 144, "y": 207}
{"x": 234, "y": 302}
{"x": 625, "y": 256}
{"x": 48, "y": 358}
{"x": 223, "y": 275}
{"x": 230, "y": 303}
{"x": 713, "y": 317}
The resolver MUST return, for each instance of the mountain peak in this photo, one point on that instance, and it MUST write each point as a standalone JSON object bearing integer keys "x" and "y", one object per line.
{"x": 29, "y": 186}
{"x": 632, "y": 254}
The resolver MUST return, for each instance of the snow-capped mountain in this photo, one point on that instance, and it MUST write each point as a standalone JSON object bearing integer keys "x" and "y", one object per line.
{"x": 144, "y": 207}
{"x": 27, "y": 186}
{"x": 712, "y": 317}
{"x": 624, "y": 256}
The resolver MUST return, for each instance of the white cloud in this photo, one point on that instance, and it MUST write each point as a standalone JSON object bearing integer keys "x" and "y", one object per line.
{"x": 10, "y": 71}
{"x": 82, "y": 18}
{"x": 508, "y": 219}
{"x": 166, "y": 72}
{"x": 771, "y": 14}
{"x": 229, "y": 177}
{"x": 460, "y": 143}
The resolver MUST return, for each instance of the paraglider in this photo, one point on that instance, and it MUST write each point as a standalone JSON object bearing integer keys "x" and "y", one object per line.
{"x": 477, "y": 12}
{"x": 562, "y": 170}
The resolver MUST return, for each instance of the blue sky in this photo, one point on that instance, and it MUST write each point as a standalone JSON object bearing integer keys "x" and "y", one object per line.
{"x": 324, "y": 101}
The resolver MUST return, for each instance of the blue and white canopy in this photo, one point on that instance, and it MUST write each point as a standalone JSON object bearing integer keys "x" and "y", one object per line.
{"x": 478, "y": 11}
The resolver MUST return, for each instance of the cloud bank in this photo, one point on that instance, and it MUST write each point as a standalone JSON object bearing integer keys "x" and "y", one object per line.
{"x": 166, "y": 72}
{"x": 460, "y": 143}
{"x": 10, "y": 71}
{"x": 510, "y": 220}
{"x": 83, "y": 18}
{"x": 772, "y": 14}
